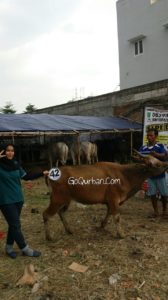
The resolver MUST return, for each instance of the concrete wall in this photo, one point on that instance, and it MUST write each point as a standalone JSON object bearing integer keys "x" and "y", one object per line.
{"x": 141, "y": 18}
{"x": 91, "y": 106}
{"x": 128, "y": 102}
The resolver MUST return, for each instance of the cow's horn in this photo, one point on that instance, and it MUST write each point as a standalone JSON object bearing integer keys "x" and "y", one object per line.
{"x": 139, "y": 154}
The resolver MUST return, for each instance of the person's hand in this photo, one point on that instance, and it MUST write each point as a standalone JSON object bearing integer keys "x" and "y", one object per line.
{"x": 45, "y": 173}
{"x": 155, "y": 154}
{"x": 2, "y": 155}
{"x": 158, "y": 155}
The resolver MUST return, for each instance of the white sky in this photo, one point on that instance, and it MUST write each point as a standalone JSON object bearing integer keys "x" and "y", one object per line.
{"x": 53, "y": 51}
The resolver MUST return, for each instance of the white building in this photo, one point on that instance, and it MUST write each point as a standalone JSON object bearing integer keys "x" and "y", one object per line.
{"x": 143, "y": 41}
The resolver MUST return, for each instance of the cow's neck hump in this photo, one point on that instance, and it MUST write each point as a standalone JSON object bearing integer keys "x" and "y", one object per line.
{"x": 142, "y": 171}
{"x": 137, "y": 170}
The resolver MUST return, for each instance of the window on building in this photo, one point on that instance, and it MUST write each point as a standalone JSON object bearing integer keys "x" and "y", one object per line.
{"x": 138, "y": 47}
{"x": 153, "y": 1}
{"x": 165, "y": 25}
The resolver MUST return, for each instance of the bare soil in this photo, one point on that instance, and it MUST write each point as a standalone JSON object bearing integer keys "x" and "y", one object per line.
{"x": 132, "y": 268}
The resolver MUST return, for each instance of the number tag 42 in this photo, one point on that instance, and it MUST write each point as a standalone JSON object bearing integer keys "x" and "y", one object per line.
{"x": 54, "y": 174}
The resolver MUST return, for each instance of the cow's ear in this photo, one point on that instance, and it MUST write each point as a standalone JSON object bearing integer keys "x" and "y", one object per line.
{"x": 137, "y": 158}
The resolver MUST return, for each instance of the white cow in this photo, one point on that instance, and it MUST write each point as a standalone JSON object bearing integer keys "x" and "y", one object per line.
{"x": 85, "y": 152}
{"x": 74, "y": 153}
{"x": 94, "y": 154}
{"x": 58, "y": 152}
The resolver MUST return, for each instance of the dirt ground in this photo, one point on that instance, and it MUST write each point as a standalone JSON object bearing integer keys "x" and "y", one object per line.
{"x": 133, "y": 268}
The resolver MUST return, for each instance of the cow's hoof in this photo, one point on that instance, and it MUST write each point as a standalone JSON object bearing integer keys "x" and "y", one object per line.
{"x": 164, "y": 216}
{"x": 68, "y": 231}
{"x": 49, "y": 238}
{"x": 153, "y": 216}
{"x": 100, "y": 229}
{"x": 120, "y": 235}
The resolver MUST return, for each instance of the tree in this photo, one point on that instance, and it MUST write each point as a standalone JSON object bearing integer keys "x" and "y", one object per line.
{"x": 30, "y": 108}
{"x": 8, "y": 109}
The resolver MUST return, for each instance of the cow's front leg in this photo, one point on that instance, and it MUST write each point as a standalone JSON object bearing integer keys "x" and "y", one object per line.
{"x": 117, "y": 222}
{"x": 104, "y": 222}
{"x": 89, "y": 162}
{"x": 113, "y": 206}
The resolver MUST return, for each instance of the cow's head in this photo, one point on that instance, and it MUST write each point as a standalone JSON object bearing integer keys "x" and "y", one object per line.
{"x": 151, "y": 162}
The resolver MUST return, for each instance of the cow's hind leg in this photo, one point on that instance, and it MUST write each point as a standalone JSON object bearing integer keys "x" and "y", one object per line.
{"x": 47, "y": 214}
{"x": 51, "y": 210}
{"x": 62, "y": 217}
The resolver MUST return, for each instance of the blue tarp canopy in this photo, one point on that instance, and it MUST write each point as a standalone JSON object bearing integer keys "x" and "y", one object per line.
{"x": 33, "y": 123}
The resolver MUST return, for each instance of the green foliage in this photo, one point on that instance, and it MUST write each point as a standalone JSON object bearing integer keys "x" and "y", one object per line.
{"x": 8, "y": 109}
{"x": 30, "y": 108}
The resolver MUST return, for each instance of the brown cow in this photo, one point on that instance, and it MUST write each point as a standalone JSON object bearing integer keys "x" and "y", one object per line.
{"x": 103, "y": 183}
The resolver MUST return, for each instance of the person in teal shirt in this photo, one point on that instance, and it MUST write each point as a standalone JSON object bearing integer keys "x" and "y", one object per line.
{"x": 11, "y": 200}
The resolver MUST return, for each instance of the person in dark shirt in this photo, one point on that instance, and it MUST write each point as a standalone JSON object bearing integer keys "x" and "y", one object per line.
{"x": 156, "y": 183}
{"x": 11, "y": 200}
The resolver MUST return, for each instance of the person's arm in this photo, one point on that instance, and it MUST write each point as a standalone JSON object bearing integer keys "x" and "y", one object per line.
{"x": 161, "y": 154}
{"x": 29, "y": 176}
{"x": 2, "y": 155}
{"x": 158, "y": 155}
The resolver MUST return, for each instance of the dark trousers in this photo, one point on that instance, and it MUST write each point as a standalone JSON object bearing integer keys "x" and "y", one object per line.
{"x": 11, "y": 214}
